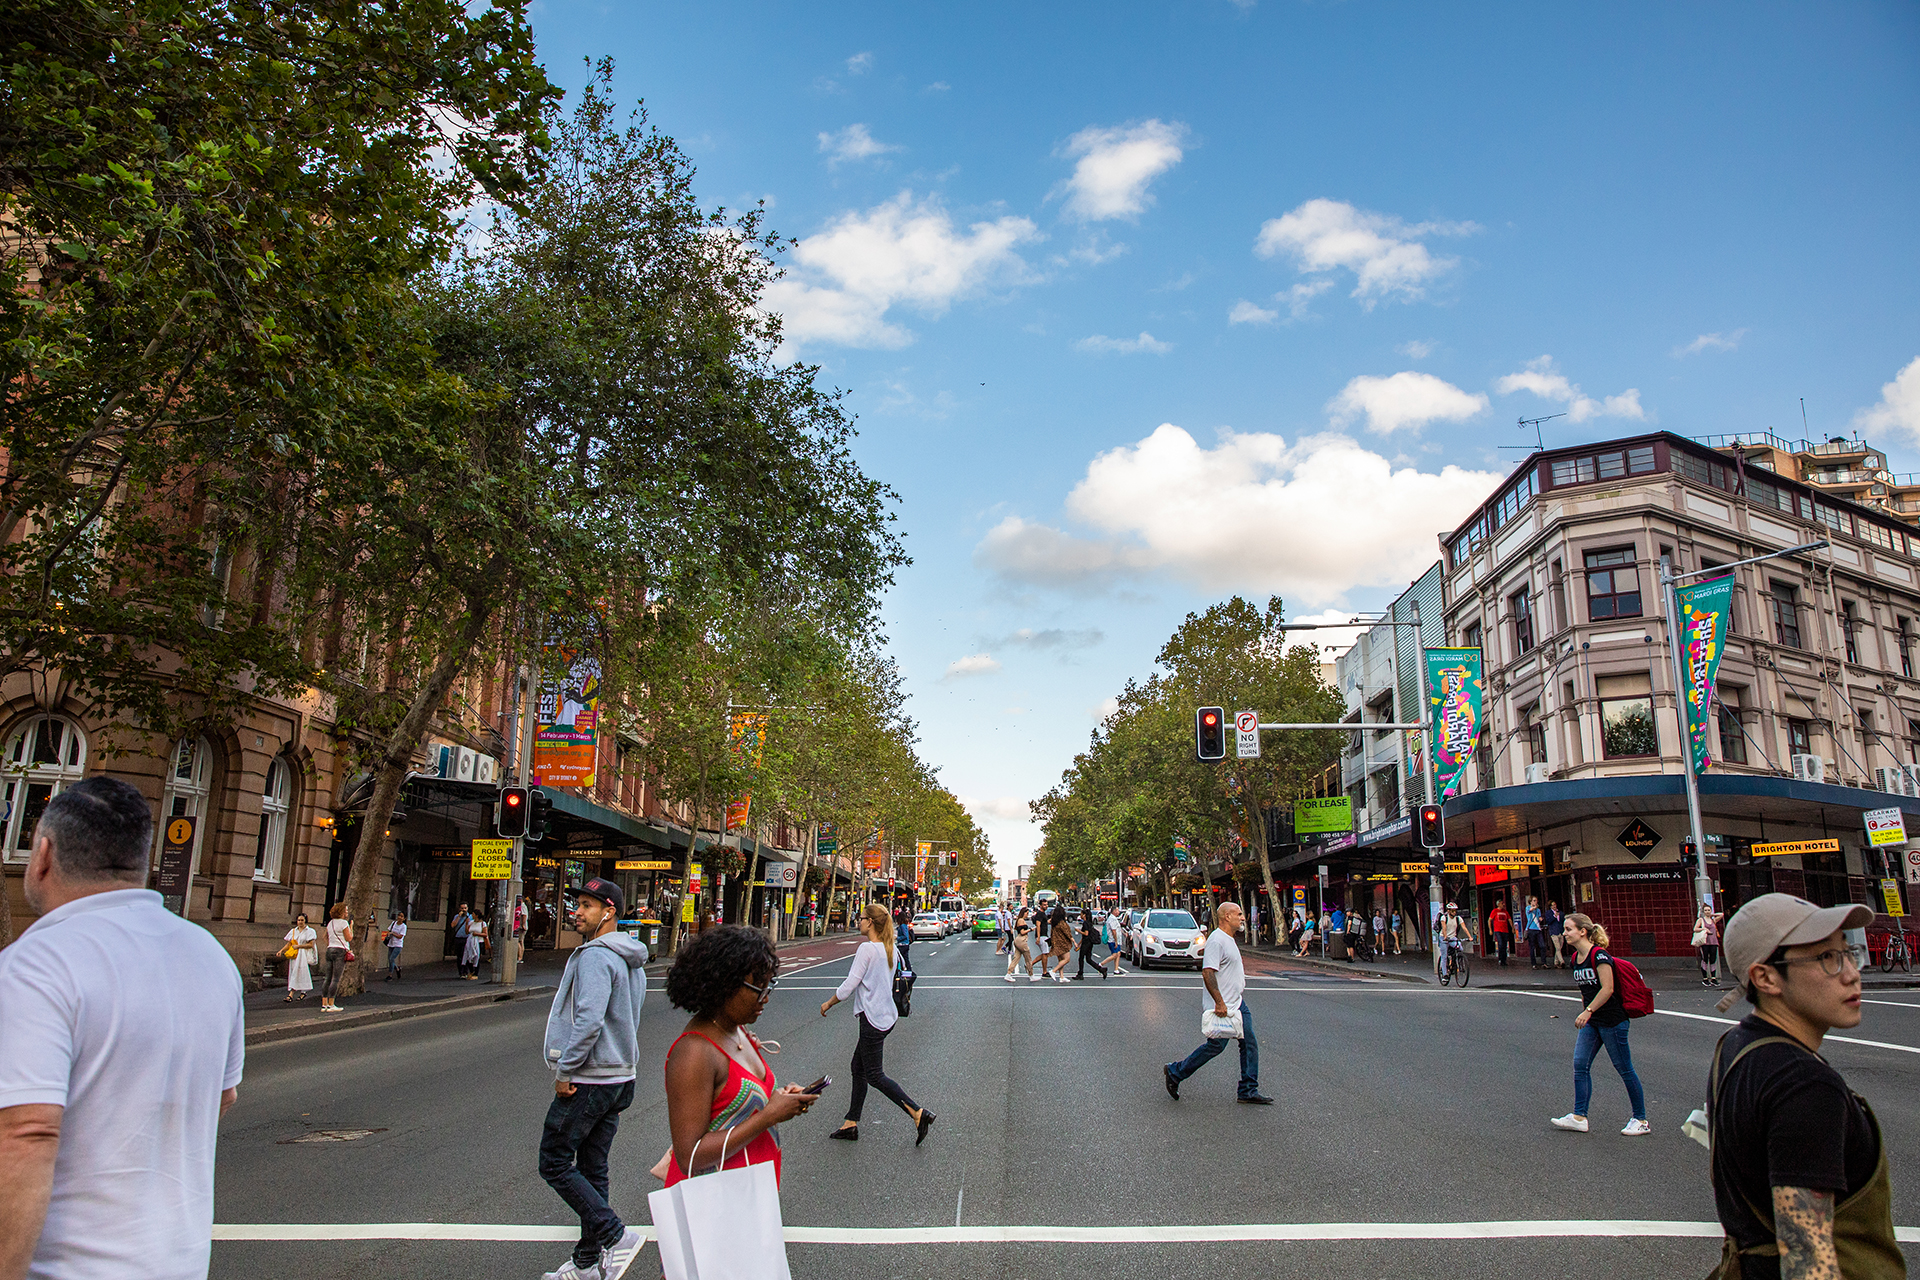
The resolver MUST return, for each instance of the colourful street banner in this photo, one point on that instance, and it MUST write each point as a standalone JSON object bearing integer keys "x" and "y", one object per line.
{"x": 1703, "y": 634}
{"x": 565, "y": 735}
{"x": 1453, "y": 706}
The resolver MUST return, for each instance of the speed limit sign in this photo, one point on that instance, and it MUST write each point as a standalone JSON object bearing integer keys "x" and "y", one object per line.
{"x": 1913, "y": 866}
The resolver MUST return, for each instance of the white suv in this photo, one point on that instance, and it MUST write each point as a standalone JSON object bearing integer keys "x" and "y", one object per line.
{"x": 1167, "y": 936}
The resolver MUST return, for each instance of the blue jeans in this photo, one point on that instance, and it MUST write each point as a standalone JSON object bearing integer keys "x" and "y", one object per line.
{"x": 573, "y": 1160}
{"x": 1211, "y": 1049}
{"x": 393, "y": 960}
{"x": 1586, "y": 1048}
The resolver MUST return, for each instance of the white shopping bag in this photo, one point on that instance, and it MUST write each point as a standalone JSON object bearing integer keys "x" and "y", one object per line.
{"x": 1215, "y": 1027}
{"x": 722, "y": 1226}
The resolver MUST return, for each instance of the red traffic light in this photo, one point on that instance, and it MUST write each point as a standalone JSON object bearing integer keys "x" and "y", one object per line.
{"x": 1210, "y": 733}
{"x": 1209, "y": 719}
{"x": 512, "y": 799}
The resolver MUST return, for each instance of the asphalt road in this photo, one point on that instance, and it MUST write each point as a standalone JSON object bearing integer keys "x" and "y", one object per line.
{"x": 1396, "y": 1105}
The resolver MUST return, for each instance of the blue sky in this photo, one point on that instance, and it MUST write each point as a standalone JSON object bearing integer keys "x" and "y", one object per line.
{"x": 1142, "y": 305}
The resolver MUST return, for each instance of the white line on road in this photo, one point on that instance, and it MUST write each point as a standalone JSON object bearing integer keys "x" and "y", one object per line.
{"x": 1726, "y": 1022}
{"x": 1521, "y": 1229}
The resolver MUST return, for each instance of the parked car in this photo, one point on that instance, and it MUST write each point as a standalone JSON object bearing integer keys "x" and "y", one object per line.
{"x": 1168, "y": 936}
{"x": 927, "y": 925}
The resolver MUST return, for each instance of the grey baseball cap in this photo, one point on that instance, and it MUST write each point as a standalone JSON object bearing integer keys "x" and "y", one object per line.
{"x": 1775, "y": 920}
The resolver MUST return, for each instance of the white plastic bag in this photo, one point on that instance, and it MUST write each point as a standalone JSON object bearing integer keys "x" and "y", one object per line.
{"x": 722, "y": 1226}
{"x": 1215, "y": 1027}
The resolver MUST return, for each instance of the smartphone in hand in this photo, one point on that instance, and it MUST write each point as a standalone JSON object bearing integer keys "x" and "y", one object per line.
{"x": 819, "y": 1086}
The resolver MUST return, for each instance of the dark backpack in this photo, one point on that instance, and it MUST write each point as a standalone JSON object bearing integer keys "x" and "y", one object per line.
{"x": 1635, "y": 996}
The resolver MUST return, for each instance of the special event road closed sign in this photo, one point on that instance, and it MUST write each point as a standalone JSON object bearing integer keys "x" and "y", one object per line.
{"x": 1246, "y": 728}
{"x": 1885, "y": 826}
{"x": 492, "y": 860}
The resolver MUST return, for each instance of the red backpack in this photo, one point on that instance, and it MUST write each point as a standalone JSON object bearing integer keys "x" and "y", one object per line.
{"x": 1635, "y": 996}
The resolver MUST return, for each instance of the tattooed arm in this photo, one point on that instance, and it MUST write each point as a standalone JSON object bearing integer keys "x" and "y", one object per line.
{"x": 1803, "y": 1224}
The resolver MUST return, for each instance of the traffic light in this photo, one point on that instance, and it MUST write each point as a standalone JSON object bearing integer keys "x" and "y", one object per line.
{"x": 1433, "y": 827}
{"x": 1210, "y": 733}
{"x": 1689, "y": 853}
{"x": 539, "y": 803}
{"x": 510, "y": 813}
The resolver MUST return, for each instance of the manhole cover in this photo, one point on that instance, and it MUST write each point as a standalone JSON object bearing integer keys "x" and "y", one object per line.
{"x": 331, "y": 1135}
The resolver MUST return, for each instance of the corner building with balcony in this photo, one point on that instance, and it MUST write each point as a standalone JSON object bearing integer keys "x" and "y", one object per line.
{"x": 1556, "y": 578}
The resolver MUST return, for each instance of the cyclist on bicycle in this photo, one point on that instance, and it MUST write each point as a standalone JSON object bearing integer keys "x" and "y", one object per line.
{"x": 1455, "y": 930}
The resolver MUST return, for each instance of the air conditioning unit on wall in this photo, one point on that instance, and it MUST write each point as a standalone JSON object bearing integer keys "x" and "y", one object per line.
{"x": 1808, "y": 768}
{"x": 1897, "y": 781}
{"x": 485, "y": 768}
{"x": 1538, "y": 772}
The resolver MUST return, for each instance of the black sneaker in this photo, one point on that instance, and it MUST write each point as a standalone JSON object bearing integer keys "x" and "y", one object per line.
{"x": 1255, "y": 1100}
{"x": 1173, "y": 1085}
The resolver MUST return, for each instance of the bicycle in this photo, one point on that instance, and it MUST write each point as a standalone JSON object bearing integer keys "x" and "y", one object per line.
{"x": 1452, "y": 964}
{"x": 1898, "y": 951}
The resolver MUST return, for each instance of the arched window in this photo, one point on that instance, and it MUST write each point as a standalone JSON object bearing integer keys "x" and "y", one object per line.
{"x": 44, "y": 758}
{"x": 275, "y": 799}
{"x": 189, "y": 783}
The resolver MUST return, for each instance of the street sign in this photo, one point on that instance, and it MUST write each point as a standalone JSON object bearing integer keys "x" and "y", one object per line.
{"x": 492, "y": 860}
{"x": 176, "y": 863}
{"x": 1890, "y": 890}
{"x": 1323, "y": 875}
{"x": 1510, "y": 858}
{"x": 1913, "y": 866}
{"x": 1246, "y": 728}
{"x": 1639, "y": 839}
{"x": 1792, "y": 847}
{"x": 788, "y": 874}
{"x": 1300, "y": 895}
{"x": 1885, "y": 826}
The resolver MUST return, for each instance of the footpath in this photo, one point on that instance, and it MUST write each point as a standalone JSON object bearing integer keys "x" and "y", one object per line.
{"x": 1662, "y": 973}
{"x": 436, "y": 987}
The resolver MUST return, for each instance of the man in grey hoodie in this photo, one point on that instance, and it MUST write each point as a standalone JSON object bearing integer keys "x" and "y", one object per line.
{"x": 592, "y": 1044}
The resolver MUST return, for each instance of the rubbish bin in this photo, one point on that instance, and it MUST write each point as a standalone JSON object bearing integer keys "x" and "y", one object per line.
{"x": 1337, "y": 945}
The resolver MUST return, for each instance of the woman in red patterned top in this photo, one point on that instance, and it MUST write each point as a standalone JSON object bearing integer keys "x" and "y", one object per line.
{"x": 720, "y": 1089}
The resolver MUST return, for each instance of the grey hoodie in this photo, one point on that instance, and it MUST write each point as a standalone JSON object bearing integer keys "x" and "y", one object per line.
{"x": 593, "y": 1027}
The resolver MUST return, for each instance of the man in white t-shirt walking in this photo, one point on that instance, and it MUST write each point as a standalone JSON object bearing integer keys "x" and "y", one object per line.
{"x": 1226, "y": 980}
{"x": 122, "y": 1037}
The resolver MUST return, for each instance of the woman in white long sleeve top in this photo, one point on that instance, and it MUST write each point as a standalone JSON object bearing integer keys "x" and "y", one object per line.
{"x": 870, "y": 984}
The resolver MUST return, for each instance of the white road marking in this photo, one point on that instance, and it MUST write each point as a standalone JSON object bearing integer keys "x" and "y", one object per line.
{"x": 1727, "y": 1022}
{"x": 1896, "y": 1004}
{"x": 1519, "y": 1229}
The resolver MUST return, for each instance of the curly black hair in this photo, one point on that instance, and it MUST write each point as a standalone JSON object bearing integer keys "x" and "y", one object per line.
{"x": 716, "y": 964}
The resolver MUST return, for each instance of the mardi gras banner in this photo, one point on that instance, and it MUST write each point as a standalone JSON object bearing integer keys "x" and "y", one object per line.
{"x": 1703, "y": 634}
{"x": 566, "y": 727}
{"x": 1453, "y": 706}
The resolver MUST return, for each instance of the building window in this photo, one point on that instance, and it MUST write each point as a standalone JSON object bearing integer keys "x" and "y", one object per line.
{"x": 1386, "y": 793}
{"x": 275, "y": 801}
{"x": 1850, "y": 629}
{"x": 1786, "y": 617}
{"x": 1733, "y": 742}
{"x": 1536, "y": 733}
{"x": 1626, "y": 716}
{"x": 1906, "y": 647}
{"x": 1799, "y": 738}
{"x": 1470, "y": 638}
{"x": 1611, "y": 465}
{"x": 42, "y": 760}
{"x": 1613, "y": 585}
{"x": 1521, "y": 603}
{"x": 189, "y": 783}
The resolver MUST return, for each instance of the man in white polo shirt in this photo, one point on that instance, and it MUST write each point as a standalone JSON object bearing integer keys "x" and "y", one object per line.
{"x": 122, "y": 1036}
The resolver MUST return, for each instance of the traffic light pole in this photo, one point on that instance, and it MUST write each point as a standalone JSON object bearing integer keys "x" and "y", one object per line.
{"x": 506, "y": 957}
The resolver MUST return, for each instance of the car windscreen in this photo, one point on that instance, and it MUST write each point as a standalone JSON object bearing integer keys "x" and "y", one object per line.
{"x": 1170, "y": 920}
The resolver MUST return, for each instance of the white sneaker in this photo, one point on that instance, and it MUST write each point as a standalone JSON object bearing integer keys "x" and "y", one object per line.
{"x": 615, "y": 1261}
{"x": 571, "y": 1270}
{"x": 1577, "y": 1124}
{"x": 1032, "y": 977}
{"x": 1636, "y": 1128}
{"x": 1010, "y": 978}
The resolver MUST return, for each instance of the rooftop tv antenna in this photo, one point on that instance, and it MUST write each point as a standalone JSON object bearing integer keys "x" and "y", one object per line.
{"x": 1539, "y": 441}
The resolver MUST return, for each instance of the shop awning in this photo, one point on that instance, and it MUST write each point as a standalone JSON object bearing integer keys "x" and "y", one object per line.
{"x": 1512, "y": 811}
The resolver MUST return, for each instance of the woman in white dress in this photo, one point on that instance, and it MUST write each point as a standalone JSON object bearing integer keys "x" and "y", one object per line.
{"x": 300, "y": 967}
{"x": 476, "y": 938}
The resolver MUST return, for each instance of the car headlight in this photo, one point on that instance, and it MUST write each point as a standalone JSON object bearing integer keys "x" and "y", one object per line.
{"x": 1153, "y": 939}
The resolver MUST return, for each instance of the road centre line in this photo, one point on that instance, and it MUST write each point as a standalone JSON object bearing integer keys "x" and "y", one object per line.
{"x": 1520, "y": 1229}
{"x": 1725, "y": 1022}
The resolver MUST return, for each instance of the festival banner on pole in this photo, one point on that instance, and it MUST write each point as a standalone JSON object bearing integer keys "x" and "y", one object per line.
{"x": 1453, "y": 705}
{"x": 566, "y": 727}
{"x": 747, "y": 735}
{"x": 1704, "y": 609}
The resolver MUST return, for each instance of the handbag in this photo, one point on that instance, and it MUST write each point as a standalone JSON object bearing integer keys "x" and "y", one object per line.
{"x": 723, "y": 1225}
{"x": 903, "y": 978}
{"x": 1699, "y": 935}
{"x": 1215, "y": 1027}
{"x": 289, "y": 951}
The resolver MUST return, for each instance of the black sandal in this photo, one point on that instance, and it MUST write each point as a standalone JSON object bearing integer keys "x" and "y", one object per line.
{"x": 846, "y": 1135}
{"x": 926, "y": 1123}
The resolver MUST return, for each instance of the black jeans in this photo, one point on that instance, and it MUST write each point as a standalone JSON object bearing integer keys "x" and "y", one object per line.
{"x": 868, "y": 1070}
{"x": 1503, "y": 942}
{"x": 573, "y": 1161}
{"x": 1538, "y": 952}
{"x": 336, "y": 966}
{"x": 1086, "y": 954}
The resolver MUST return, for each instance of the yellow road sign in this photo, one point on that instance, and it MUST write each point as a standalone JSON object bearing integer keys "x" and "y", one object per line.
{"x": 492, "y": 860}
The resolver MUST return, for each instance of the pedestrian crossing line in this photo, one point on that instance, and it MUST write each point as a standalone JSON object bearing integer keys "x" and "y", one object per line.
{"x": 1517, "y": 1229}
{"x": 1725, "y": 1022}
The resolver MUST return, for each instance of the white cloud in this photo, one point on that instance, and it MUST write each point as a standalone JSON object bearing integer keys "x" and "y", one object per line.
{"x": 1104, "y": 708}
{"x": 938, "y": 86}
{"x": 1899, "y": 407}
{"x": 1311, "y": 520}
{"x": 1245, "y": 312}
{"x": 853, "y": 143}
{"x": 1541, "y": 378}
{"x": 859, "y": 64}
{"x": 1710, "y": 342}
{"x": 1101, "y": 344}
{"x": 1116, "y": 165}
{"x": 1005, "y": 808}
{"x": 1385, "y": 255}
{"x": 1052, "y": 638}
{"x": 842, "y": 281}
{"x": 1407, "y": 399}
{"x": 1416, "y": 349}
{"x": 974, "y": 664}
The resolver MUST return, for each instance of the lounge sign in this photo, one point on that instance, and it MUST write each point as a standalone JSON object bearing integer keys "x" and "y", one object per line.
{"x": 1639, "y": 839}
{"x": 1792, "y": 847}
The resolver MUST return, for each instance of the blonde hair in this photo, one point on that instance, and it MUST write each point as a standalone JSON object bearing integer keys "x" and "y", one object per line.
{"x": 1587, "y": 925}
{"x": 882, "y": 921}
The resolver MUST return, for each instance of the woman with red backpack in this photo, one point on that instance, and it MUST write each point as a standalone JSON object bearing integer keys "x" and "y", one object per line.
{"x": 1602, "y": 1021}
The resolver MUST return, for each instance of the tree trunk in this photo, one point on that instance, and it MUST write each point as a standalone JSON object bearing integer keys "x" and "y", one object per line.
{"x": 800, "y": 885}
{"x": 1259, "y": 825}
{"x": 390, "y": 775}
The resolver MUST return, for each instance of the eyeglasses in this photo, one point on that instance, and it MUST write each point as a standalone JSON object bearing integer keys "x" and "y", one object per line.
{"x": 1831, "y": 962}
{"x": 762, "y": 992}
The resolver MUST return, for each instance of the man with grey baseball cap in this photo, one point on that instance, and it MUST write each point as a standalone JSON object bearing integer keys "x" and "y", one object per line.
{"x": 1799, "y": 1167}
